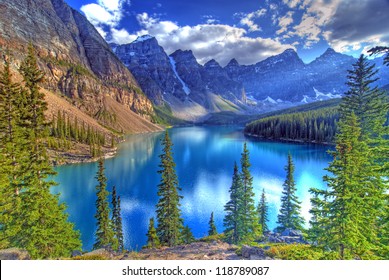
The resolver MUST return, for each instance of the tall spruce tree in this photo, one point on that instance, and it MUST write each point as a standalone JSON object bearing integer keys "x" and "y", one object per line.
{"x": 358, "y": 187}
{"x": 289, "y": 216}
{"x": 249, "y": 218}
{"x": 232, "y": 221}
{"x": 152, "y": 237}
{"x": 170, "y": 223}
{"x": 263, "y": 212}
{"x": 12, "y": 154}
{"x": 212, "y": 228}
{"x": 117, "y": 220}
{"x": 40, "y": 225}
{"x": 105, "y": 236}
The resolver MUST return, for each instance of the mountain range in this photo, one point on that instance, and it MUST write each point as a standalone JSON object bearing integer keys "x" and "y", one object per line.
{"x": 127, "y": 87}
{"x": 192, "y": 90}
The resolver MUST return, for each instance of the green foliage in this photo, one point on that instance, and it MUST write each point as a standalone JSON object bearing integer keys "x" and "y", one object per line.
{"x": 63, "y": 131}
{"x": 187, "y": 235}
{"x": 212, "y": 228}
{"x": 168, "y": 210}
{"x": 117, "y": 221}
{"x": 350, "y": 217}
{"x": 297, "y": 252}
{"x": 241, "y": 221}
{"x": 211, "y": 238}
{"x": 152, "y": 237}
{"x": 232, "y": 208}
{"x": 289, "y": 216}
{"x": 105, "y": 235}
{"x": 312, "y": 126}
{"x": 31, "y": 216}
{"x": 263, "y": 212}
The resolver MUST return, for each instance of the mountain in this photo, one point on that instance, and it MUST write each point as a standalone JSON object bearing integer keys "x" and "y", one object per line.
{"x": 179, "y": 82}
{"x": 286, "y": 78}
{"x": 78, "y": 64}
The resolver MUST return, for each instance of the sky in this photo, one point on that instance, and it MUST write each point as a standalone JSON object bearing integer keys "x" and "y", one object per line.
{"x": 247, "y": 30}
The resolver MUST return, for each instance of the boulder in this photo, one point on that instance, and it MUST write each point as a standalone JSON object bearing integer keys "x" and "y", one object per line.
{"x": 14, "y": 254}
{"x": 254, "y": 253}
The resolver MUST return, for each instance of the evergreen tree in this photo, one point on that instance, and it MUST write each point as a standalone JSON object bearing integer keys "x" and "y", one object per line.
{"x": 289, "y": 216}
{"x": 339, "y": 220}
{"x": 187, "y": 235}
{"x": 248, "y": 218}
{"x": 168, "y": 210}
{"x": 104, "y": 232}
{"x": 38, "y": 223}
{"x": 117, "y": 220}
{"x": 152, "y": 237}
{"x": 354, "y": 208}
{"x": 11, "y": 154}
{"x": 231, "y": 221}
{"x": 263, "y": 212}
{"x": 212, "y": 228}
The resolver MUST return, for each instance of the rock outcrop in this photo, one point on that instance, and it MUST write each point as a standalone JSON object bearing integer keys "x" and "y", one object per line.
{"x": 77, "y": 62}
{"x": 178, "y": 80}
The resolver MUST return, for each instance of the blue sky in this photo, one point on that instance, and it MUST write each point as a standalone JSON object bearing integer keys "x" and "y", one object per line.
{"x": 248, "y": 30}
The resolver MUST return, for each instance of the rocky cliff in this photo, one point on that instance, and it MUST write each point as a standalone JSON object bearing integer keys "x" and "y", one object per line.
{"x": 178, "y": 81}
{"x": 78, "y": 63}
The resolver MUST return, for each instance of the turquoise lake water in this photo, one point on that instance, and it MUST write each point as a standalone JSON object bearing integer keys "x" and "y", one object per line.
{"x": 205, "y": 158}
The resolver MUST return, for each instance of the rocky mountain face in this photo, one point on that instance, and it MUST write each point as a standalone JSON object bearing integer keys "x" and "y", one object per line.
{"x": 179, "y": 81}
{"x": 77, "y": 61}
{"x": 285, "y": 77}
{"x": 278, "y": 81}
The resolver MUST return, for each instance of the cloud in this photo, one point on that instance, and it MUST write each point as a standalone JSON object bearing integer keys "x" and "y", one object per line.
{"x": 346, "y": 25}
{"x": 284, "y": 22}
{"x": 106, "y": 15}
{"x": 248, "y": 19}
{"x": 210, "y": 41}
{"x": 357, "y": 23}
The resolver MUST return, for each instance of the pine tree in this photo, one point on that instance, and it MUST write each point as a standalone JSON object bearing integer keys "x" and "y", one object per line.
{"x": 263, "y": 212}
{"x": 11, "y": 154}
{"x": 357, "y": 188}
{"x": 152, "y": 237}
{"x": 249, "y": 220}
{"x": 168, "y": 210}
{"x": 117, "y": 221}
{"x": 232, "y": 228}
{"x": 104, "y": 231}
{"x": 289, "y": 216}
{"x": 40, "y": 225}
{"x": 212, "y": 228}
{"x": 187, "y": 235}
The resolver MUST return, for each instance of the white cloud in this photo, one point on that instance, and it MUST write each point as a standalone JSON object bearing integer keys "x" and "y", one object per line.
{"x": 292, "y": 3}
{"x": 346, "y": 25}
{"x": 121, "y": 36}
{"x": 284, "y": 22}
{"x": 207, "y": 41}
{"x": 106, "y": 14}
{"x": 248, "y": 20}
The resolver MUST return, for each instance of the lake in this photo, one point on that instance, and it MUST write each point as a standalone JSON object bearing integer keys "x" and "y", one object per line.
{"x": 205, "y": 158}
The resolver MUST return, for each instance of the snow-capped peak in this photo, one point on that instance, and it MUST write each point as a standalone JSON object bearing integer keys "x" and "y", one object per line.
{"x": 270, "y": 100}
{"x": 143, "y": 38}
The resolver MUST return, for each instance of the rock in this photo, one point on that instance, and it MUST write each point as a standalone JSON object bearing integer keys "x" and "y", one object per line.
{"x": 76, "y": 60}
{"x": 248, "y": 251}
{"x": 76, "y": 253}
{"x": 14, "y": 254}
{"x": 291, "y": 232}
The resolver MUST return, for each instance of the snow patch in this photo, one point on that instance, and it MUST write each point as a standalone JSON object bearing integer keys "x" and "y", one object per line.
{"x": 305, "y": 99}
{"x": 132, "y": 53}
{"x": 143, "y": 38}
{"x": 320, "y": 95}
{"x": 184, "y": 86}
{"x": 270, "y": 100}
{"x": 279, "y": 100}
